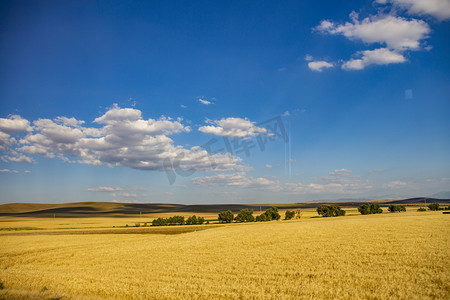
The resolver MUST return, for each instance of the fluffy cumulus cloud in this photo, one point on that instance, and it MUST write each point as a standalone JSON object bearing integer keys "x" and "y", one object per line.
{"x": 439, "y": 9}
{"x": 122, "y": 137}
{"x": 390, "y": 33}
{"x": 14, "y": 124}
{"x": 233, "y": 127}
{"x": 319, "y": 65}
{"x": 393, "y": 31}
{"x": 380, "y": 56}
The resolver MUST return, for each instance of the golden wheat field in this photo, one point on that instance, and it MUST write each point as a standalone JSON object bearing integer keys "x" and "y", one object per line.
{"x": 401, "y": 256}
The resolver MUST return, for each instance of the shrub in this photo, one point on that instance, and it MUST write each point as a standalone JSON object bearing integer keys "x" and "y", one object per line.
{"x": 2, "y": 286}
{"x": 298, "y": 214}
{"x": 422, "y": 209}
{"x": 137, "y": 225}
{"x": 269, "y": 215}
{"x": 175, "y": 220}
{"x": 159, "y": 222}
{"x": 290, "y": 214}
{"x": 396, "y": 208}
{"x": 272, "y": 213}
{"x": 262, "y": 218}
{"x": 194, "y": 220}
{"x": 330, "y": 211}
{"x": 226, "y": 216}
{"x": 245, "y": 215}
{"x": 191, "y": 220}
{"x": 368, "y": 208}
{"x": 434, "y": 206}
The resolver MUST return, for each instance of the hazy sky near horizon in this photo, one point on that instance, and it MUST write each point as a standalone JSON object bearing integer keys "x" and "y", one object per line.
{"x": 223, "y": 101}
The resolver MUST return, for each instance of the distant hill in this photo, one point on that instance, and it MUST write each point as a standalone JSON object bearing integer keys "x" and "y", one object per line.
{"x": 113, "y": 209}
{"x": 441, "y": 195}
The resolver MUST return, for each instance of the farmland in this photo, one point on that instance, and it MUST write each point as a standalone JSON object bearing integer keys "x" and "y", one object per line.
{"x": 390, "y": 255}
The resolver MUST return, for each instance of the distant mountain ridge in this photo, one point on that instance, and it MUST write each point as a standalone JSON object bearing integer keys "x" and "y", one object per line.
{"x": 441, "y": 195}
{"x": 114, "y": 209}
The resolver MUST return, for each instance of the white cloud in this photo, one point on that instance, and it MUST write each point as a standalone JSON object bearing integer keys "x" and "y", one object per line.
{"x": 237, "y": 180}
{"x": 233, "y": 127}
{"x": 105, "y": 189}
{"x": 339, "y": 182}
{"x": 19, "y": 158}
{"x": 395, "y": 184}
{"x": 123, "y": 138}
{"x": 205, "y": 102}
{"x": 69, "y": 121}
{"x": 269, "y": 166}
{"x": 382, "y": 56}
{"x": 314, "y": 188}
{"x": 14, "y": 124}
{"x": 27, "y": 171}
{"x": 439, "y": 9}
{"x": 341, "y": 172}
{"x": 318, "y": 66}
{"x": 183, "y": 106}
{"x": 6, "y": 141}
{"x": 393, "y": 31}
{"x": 308, "y": 57}
{"x": 8, "y": 171}
{"x": 128, "y": 195}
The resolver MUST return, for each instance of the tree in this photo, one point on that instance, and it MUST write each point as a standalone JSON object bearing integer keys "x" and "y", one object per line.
{"x": 434, "y": 206}
{"x": 194, "y": 220}
{"x": 261, "y": 218}
{"x": 226, "y": 216}
{"x": 330, "y": 211}
{"x": 191, "y": 220}
{"x": 272, "y": 213}
{"x": 245, "y": 215}
{"x": 368, "y": 208}
{"x": 396, "y": 208}
{"x": 269, "y": 215}
{"x": 289, "y": 214}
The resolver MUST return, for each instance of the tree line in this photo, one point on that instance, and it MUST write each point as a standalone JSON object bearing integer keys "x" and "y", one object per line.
{"x": 178, "y": 220}
{"x": 246, "y": 215}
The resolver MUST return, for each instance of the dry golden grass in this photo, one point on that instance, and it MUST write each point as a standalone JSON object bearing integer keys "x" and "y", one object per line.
{"x": 403, "y": 255}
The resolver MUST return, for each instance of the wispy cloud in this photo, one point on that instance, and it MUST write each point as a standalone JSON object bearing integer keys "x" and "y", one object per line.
{"x": 105, "y": 189}
{"x": 205, "y": 102}
{"x": 8, "y": 171}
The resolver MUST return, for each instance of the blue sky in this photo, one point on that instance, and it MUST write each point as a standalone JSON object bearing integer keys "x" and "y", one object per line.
{"x": 113, "y": 100}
